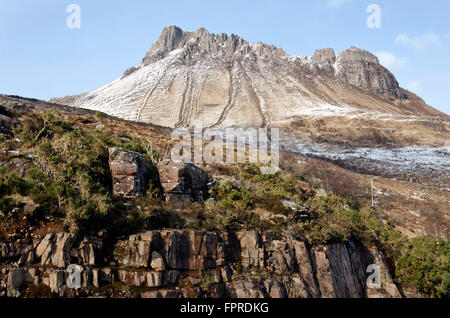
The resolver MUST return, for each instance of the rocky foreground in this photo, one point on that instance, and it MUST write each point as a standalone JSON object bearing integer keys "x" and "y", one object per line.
{"x": 184, "y": 263}
{"x": 187, "y": 263}
{"x": 85, "y": 189}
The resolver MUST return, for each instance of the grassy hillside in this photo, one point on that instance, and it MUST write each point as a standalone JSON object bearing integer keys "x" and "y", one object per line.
{"x": 54, "y": 175}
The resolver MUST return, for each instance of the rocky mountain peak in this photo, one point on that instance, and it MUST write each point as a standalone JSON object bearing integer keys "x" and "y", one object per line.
{"x": 356, "y": 55}
{"x": 223, "y": 80}
{"x": 363, "y": 69}
{"x": 324, "y": 56}
{"x": 202, "y": 42}
{"x": 171, "y": 38}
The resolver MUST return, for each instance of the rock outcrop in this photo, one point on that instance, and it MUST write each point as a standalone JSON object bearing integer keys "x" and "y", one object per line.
{"x": 325, "y": 58}
{"x": 171, "y": 38}
{"x": 182, "y": 181}
{"x": 361, "y": 68}
{"x": 187, "y": 263}
{"x": 7, "y": 122}
{"x": 130, "y": 172}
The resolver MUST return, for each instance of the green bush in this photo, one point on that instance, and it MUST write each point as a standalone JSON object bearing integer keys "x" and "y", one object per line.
{"x": 72, "y": 177}
{"x": 425, "y": 264}
{"x": 6, "y": 204}
{"x": 230, "y": 196}
{"x": 16, "y": 184}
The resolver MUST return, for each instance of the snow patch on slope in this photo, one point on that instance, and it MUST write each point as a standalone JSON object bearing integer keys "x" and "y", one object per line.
{"x": 119, "y": 97}
{"x": 405, "y": 162}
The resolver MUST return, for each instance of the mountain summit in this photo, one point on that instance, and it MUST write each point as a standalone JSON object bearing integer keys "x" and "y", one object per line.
{"x": 225, "y": 81}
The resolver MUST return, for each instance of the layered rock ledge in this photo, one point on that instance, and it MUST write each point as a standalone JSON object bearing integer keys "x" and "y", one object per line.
{"x": 188, "y": 263}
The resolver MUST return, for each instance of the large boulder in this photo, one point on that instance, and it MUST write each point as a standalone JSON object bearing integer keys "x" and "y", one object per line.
{"x": 181, "y": 180}
{"x": 130, "y": 172}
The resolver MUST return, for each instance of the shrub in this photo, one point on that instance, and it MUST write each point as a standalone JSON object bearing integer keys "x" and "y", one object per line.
{"x": 436, "y": 224}
{"x": 426, "y": 265}
{"x": 16, "y": 184}
{"x": 6, "y": 204}
{"x": 249, "y": 170}
{"x": 337, "y": 181}
{"x": 272, "y": 202}
{"x": 230, "y": 196}
{"x": 72, "y": 175}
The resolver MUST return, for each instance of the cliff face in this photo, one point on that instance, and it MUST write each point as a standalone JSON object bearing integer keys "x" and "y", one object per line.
{"x": 225, "y": 81}
{"x": 172, "y": 263}
{"x": 361, "y": 68}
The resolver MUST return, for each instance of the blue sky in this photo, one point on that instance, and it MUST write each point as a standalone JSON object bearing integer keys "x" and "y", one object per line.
{"x": 41, "y": 57}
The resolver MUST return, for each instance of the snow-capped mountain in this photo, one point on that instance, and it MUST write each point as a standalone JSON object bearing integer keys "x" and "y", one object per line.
{"x": 225, "y": 81}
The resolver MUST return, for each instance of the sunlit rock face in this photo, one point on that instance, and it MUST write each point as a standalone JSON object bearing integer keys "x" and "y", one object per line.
{"x": 223, "y": 80}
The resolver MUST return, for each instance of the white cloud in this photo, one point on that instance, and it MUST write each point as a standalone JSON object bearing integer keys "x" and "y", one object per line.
{"x": 337, "y": 3}
{"x": 448, "y": 34}
{"x": 420, "y": 43}
{"x": 413, "y": 86}
{"x": 389, "y": 60}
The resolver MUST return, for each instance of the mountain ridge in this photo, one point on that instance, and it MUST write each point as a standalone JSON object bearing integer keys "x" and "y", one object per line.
{"x": 225, "y": 81}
